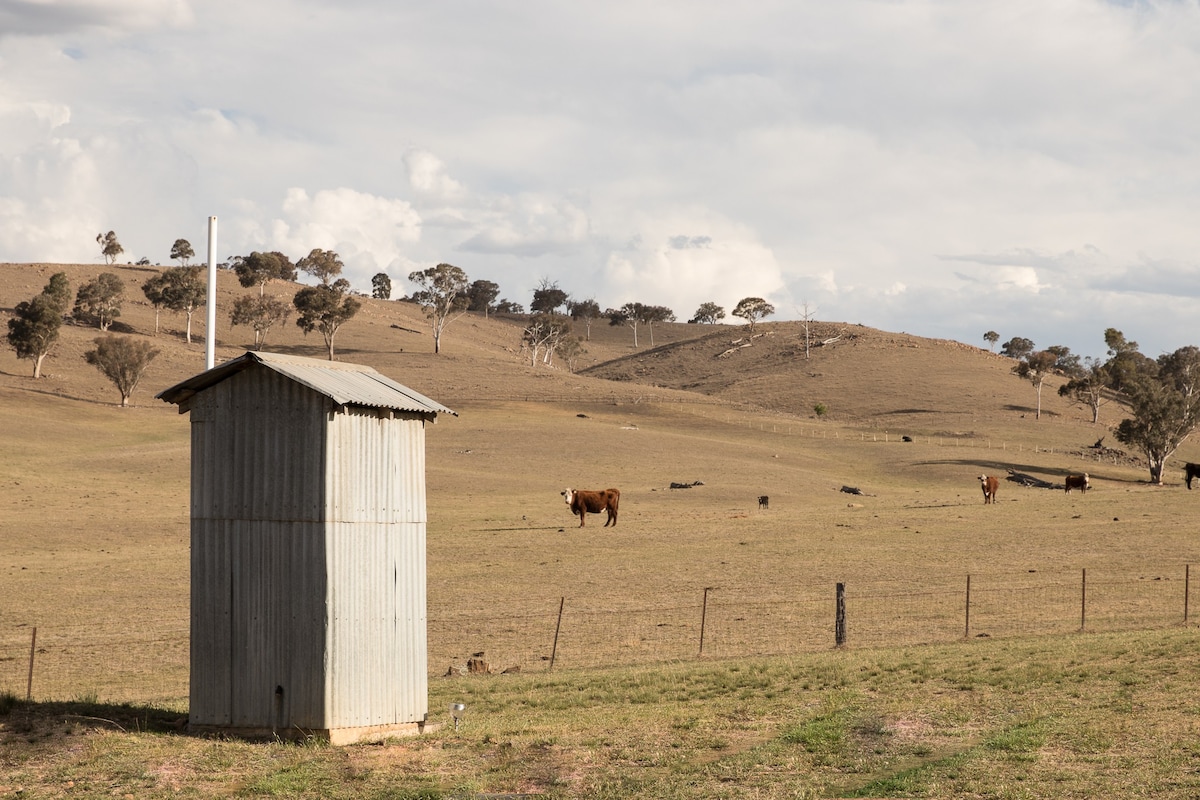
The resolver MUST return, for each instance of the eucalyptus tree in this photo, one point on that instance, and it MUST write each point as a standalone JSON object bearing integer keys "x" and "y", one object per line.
{"x": 381, "y": 286}
{"x": 260, "y": 313}
{"x": 548, "y": 298}
{"x": 184, "y": 290}
{"x": 325, "y": 308}
{"x": 259, "y": 269}
{"x": 708, "y": 313}
{"x": 324, "y": 265}
{"x": 442, "y": 295}
{"x": 123, "y": 360}
{"x": 753, "y": 309}
{"x": 1165, "y": 408}
{"x": 99, "y": 300}
{"x": 1036, "y": 367}
{"x": 34, "y": 327}
{"x": 110, "y": 248}
{"x": 181, "y": 251}
{"x": 584, "y": 311}
{"x": 481, "y": 295}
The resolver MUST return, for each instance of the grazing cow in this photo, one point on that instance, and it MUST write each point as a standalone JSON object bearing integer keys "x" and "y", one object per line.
{"x": 763, "y": 501}
{"x": 990, "y": 484}
{"x": 1192, "y": 471}
{"x": 582, "y": 501}
{"x": 1079, "y": 482}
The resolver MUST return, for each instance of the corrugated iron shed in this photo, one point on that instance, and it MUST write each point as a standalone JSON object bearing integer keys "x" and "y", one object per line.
{"x": 345, "y": 384}
{"x": 308, "y": 530}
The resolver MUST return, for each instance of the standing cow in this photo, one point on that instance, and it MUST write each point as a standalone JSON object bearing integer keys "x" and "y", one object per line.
{"x": 582, "y": 501}
{"x": 990, "y": 484}
{"x": 1080, "y": 482}
{"x": 1191, "y": 471}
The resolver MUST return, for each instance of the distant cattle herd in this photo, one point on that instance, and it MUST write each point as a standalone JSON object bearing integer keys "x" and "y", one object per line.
{"x": 584, "y": 502}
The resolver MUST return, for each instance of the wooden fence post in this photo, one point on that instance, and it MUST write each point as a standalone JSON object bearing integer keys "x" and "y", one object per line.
{"x": 1187, "y": 575}
{"x": 32, "y": 650}
{"x": 554, "y": 650}
{"x": 839, "y": 623}
{"x": 703, "y": 618}
{"x": 967, "y": 625}
{"x": 1083, "y": 602}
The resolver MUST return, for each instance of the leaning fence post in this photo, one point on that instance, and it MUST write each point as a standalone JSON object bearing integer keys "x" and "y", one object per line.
{"x": 1083, "y": 602}
{"x": 839, "y": 623}
{"x": 557, "y": 626}
{"x": 703, "y": 618}
{"x": 967, "y": 625}
{"x": 32, "y": 650}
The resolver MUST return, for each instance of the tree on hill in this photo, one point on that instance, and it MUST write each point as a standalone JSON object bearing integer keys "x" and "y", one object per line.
{"x": 442, "y": 295}
{"x": 325, "y": 309}
{"x": 58, "y": 289}
{"x": 260, "y": 313}
{"x": 481, "y": 295}
{"x": 653, "y": 314}
{"x": 110, "y": 248}
{"x": 259, "y": 269}
{"x": 155, "y": 290}
{"x": 1035, "y": 368}
{"x": 324, "y": 265}
{"x": 548, "y": 298}
{"x": 1126, "y": 366}
{"x": 184, "y": 290}
{"x": 123, "y": 360}
{"x": 991, "y": 337}
{"x": 506, "y": 306}
{"x": 631, "y": 314}
{"x": 585, "y": 311}
{"x": 542, "y": 335}
{"x": 1017, "y": 347}
{"x": 99, "y": 300}
{"x": 181, "y": 251}
{"x": 708, "y": 313}
{"x": 1089, "y": 387}
{"x": 753, "y": 309}
{"x": 34, "y": 326}
{"x": 570, "y": 349}
{"x": 381, "y": 286}
{"x": 1165, "y": 408}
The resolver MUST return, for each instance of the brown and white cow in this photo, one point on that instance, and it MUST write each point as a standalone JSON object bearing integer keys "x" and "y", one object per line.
{"x": 1080, "y": 482}
{"x": 990, "y": 484}
{"x": 582, "y": 501}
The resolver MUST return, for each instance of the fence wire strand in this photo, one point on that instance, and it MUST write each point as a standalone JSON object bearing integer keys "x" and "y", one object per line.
{"x": 149, "y": 661}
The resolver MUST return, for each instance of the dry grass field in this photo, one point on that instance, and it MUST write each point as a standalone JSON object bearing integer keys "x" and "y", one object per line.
{"x": 93, "y": 553}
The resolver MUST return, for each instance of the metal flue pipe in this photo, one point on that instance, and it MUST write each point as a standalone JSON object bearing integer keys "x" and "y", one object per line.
{"x": 210, "y": 331}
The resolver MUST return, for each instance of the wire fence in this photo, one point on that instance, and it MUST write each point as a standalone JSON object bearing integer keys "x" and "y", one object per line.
{"x": 148, "y": 661}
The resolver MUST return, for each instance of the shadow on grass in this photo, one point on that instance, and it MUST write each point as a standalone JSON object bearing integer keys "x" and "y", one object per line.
{"x": 1016, "y": 471}
{"x": 558, "y": 528}
{"x": 24, "y": 719}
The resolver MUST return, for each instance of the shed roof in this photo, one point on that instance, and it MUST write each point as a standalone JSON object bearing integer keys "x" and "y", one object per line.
{"x": 345, "y": 384}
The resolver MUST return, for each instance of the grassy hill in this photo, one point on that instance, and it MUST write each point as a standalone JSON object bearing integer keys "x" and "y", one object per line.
{"x": 94, "y": 516}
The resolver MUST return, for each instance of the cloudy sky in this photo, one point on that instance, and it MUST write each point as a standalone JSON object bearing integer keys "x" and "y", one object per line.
{"x": 938, "y": 167}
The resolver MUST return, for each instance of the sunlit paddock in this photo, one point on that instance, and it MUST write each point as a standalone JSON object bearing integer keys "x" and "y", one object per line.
{"x": 696, "y": 573}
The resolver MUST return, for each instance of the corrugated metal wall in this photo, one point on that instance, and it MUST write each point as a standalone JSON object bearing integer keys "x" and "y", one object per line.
{"x": 377, "y": 667}
{"x": 308, "y": 560}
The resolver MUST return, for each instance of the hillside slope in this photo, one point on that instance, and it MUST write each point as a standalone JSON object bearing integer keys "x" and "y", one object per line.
{"x": 863, "y": 376}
